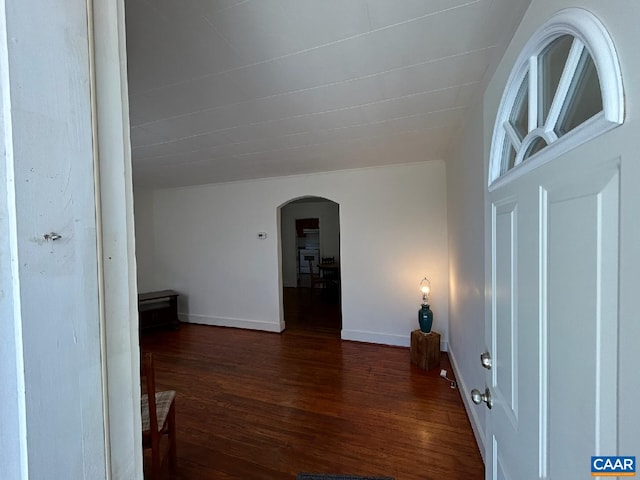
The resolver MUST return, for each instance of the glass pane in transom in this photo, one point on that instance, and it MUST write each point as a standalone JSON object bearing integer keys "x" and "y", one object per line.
{"x": 519, "y": 117}
{"x": 537, "y": 145}
{"x": 584, "y": 99}
{"x": 508, "y": 157}
{"x": 551, "y": 64}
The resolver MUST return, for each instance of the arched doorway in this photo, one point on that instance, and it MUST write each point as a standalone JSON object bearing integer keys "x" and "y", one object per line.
{"x": 310, "y": 265}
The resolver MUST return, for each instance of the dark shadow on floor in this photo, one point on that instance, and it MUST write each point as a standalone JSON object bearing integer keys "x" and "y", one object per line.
{"x": 312, "y": 310}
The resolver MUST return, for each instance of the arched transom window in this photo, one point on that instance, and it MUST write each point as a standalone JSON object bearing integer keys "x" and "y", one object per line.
{"x": 565, "y": 89}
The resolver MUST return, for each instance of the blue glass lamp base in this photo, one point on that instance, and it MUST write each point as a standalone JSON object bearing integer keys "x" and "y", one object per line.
{"x": 425, "y": 318}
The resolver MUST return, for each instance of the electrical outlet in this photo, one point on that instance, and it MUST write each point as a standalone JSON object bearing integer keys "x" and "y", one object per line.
{"x": 443, "y": 373}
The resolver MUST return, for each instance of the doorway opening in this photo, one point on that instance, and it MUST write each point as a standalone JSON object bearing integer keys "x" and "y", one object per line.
{"x": 310, "y": 267}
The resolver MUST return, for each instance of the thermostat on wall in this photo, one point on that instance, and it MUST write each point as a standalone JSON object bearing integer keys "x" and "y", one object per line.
{"x": 262, "y": 235}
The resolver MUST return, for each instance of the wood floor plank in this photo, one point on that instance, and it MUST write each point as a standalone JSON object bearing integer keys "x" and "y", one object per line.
{"x": 255, "y": 405}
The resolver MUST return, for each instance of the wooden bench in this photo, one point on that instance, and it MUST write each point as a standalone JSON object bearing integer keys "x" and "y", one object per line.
{"x": 158, "y": 309}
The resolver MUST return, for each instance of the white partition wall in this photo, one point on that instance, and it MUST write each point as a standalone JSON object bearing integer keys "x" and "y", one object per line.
{"x": 392, "y": 233}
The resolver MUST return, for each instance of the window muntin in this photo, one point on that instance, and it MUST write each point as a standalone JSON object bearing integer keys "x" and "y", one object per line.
{"x": 534, "y": 147}
{"x": 565, "y": 89}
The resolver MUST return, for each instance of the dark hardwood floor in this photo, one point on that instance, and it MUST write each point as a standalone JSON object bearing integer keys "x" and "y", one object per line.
{"x": 257, "y": 405}
{"x": 314, "y": 310}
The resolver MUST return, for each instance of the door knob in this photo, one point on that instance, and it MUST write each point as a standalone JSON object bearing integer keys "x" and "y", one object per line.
{"x": 477, "y": 397}
{"x": 485, "y": 360}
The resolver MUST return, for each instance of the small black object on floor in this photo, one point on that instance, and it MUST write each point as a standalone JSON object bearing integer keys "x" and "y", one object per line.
{"x": 321, "y": 476}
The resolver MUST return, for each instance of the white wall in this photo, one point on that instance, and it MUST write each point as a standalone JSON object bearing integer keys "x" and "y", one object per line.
{"x": 328, "y": 214}
{"x": 466, "y": 185}
{"x": 392, "y": 233}
{"x": 145, "y": 245}
{"x": 465, "y": 205}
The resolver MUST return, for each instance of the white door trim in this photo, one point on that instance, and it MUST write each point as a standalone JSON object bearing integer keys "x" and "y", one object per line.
{"x": 116, "y": 240}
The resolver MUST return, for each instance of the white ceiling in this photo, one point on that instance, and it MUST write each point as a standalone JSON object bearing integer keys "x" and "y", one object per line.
{"x": 224, "y": 90}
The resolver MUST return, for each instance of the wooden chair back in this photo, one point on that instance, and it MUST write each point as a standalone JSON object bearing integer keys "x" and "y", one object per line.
{"x": 158, "y": 419}
{"x": 316, "y": 279}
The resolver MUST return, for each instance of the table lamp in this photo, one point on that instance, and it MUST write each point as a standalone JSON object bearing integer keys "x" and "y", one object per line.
{"x": 425, "y": 315}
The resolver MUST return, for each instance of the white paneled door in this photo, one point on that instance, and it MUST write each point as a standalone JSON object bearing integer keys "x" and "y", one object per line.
{"x": 552, "y": 327}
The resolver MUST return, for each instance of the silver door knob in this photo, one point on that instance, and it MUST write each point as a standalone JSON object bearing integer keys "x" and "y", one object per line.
{"x": 478, "y": 397}
{"x": 485, "y": 360}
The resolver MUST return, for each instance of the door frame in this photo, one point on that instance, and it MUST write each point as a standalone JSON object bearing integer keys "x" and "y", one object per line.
{"x": 116, "y": 238}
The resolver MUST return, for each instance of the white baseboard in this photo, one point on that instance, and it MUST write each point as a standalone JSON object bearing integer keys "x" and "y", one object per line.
{"x": 353, "y": 335}
{"x": 231, "y": 322}
{"x": 471, "y": 408}
{"x": 383, "y": 338}
{"x": 375, "y": 337}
